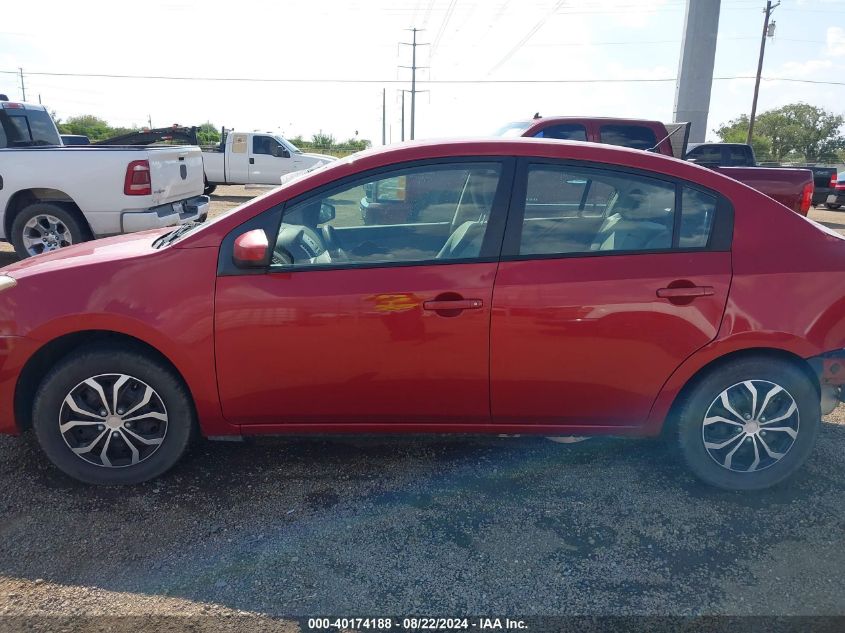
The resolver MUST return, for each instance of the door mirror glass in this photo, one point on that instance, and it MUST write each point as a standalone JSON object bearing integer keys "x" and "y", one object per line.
{"x": 327, "y": 213}
{"x": 251, "y": 250}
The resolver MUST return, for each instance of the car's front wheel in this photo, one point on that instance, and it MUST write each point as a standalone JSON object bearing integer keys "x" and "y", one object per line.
{"x": 748, "y": 424}
{"x": 113, "y": 415}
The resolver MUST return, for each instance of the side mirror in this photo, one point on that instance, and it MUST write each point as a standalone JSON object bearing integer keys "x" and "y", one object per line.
{"x": 280, "y": 152}
{"x": 327, "y": 213}
{"x": 252, "y": 250}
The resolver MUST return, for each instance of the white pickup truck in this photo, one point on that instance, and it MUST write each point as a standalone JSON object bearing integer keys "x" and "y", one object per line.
{"x": 244, "y": 158}
{"x": 53, "y": 196}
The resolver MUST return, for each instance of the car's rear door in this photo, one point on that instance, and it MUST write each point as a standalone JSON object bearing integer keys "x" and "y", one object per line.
{"x": 593, "y": 311}
{"x": 377, "y": 325}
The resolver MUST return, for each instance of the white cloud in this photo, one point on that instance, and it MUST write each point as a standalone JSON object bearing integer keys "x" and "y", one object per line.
{"x": 835, "y": 41}
{"x": 802, "y": 69}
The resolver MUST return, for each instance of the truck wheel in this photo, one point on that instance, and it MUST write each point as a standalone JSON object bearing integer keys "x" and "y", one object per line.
{"x": 45, "y": 226}
{"x": 113, "y": 415}
{"x": 209, "y": 189}
{"x": 832, "y": 206}
{"x": 749, "y": 424}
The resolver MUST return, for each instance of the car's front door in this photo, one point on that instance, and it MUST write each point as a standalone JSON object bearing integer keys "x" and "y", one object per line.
{"x": 609, "y": 280}
{"x": 369, "y": 324}
{"x": 267, "y": 163}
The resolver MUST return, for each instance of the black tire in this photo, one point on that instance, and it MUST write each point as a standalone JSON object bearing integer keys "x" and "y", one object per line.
{"x": 75, "y": 229}
{"x": 832, "y": 207}
{"x": 690, "y": 429}
{"x": 69, "y": 374}
{"x": 209, "y": 189}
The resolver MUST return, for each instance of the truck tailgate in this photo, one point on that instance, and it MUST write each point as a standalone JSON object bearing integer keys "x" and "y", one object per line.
{"x": 176, "y": 172}
{"x": 786, "y": 185}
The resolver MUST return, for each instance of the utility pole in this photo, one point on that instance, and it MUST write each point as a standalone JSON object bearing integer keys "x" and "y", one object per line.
{"x": 413, "y": 67}
{"x": 384, "y": 116}
{"x": 695, "y": 69}
{"x": 766, "y": 33}
{"x": 150, "y": 121}
{"x": 23, "y": 86}
{"x": 403, "y": 114}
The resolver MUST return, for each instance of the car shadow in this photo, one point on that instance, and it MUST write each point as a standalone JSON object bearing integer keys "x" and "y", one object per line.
{"x": 429, "y": 524}
{"x": 7, "y": 257}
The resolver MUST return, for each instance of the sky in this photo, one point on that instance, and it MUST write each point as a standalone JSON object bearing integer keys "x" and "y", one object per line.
{"x": 344, "y": 53}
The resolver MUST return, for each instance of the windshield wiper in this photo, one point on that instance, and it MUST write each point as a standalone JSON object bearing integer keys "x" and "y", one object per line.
{"x": 168, "y": 238}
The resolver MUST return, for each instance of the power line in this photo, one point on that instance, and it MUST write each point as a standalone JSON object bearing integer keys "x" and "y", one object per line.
{"x": 527, "y": 36}
{"x": 442, "y": 29}
{"x": 331, "y": 80}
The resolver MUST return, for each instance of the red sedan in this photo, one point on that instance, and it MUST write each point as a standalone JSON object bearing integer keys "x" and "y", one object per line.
{"x": 549, "y": 288}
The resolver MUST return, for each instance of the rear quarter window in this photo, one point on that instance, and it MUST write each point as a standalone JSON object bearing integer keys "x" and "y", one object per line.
{"x": 634, "y": 136}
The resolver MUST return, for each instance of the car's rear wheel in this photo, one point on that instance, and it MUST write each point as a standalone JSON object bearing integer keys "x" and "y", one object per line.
{"x": 748, "y": 424}
{"x": 43, "y": 227}
{"x": 113, "y": 416}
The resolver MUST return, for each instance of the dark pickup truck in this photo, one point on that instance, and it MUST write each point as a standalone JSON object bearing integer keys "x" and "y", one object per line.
{"x": 791, "y": 187}
{"x": 742, "y": 155}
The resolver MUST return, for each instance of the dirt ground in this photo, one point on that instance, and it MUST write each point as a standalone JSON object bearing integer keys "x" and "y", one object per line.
{"x": 246, "y": 536}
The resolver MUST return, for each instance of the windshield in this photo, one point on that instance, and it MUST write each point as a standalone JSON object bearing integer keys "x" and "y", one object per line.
{"x": 293, "y": 149}
{"x": 513, "y": 129}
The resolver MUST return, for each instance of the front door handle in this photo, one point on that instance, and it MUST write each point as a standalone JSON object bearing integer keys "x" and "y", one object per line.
{"x": 251, "y": 161}
{"x": 685, "y": 292}
{"x": 453, "y": 304}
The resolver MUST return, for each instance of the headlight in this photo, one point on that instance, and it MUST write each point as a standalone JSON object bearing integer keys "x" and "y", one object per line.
{"x": 7, "y": 282}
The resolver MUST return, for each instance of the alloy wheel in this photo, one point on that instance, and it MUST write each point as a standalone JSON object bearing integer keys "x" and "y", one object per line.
{"x": 44, "y": 233}
{"x": 113, "y": 420}
{"x": 750, "y": 426}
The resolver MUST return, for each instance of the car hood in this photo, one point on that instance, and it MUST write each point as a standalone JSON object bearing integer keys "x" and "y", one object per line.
{"x": 324, "y": 157}
{"x": 87, "y": 253}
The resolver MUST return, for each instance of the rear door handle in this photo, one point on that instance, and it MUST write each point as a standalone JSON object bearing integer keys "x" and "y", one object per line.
{"x": 694, "y": 291}
{"x": 453, "y": 304}
{"x": 251, "y": 161}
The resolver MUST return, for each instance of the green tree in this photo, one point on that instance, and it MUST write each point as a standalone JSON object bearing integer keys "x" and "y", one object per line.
{"x": 736, "y": 131}
{"x": 356, "y": 144}
{"x": 207, "y": 134}
{"x": 797, "y": 131}
{"x": 88, "y": 125}
{"x": 320, "y": 139}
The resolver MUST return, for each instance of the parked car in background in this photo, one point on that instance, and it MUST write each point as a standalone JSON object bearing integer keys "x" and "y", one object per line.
{"x": 75, "y": 139}
{"x": 253, "y": 158}
{"x": 837, "y": 197}
{"x": 575, "y": 288}
{"x": 792, "y": 188}
{"x": 53, "y": 196}
{"x": 742, "y": 155}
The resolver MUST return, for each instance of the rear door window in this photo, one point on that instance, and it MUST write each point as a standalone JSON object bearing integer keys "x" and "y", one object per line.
{"x": 635, "y": 136}
{"x": 24, "y": 128}
{"x": 564, "y": 132}
{"x": 572, "y": 209}
{"x": 41, "y": 128}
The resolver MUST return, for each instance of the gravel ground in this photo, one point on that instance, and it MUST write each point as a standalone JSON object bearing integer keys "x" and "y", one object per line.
{"x": 441, "y": 525}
